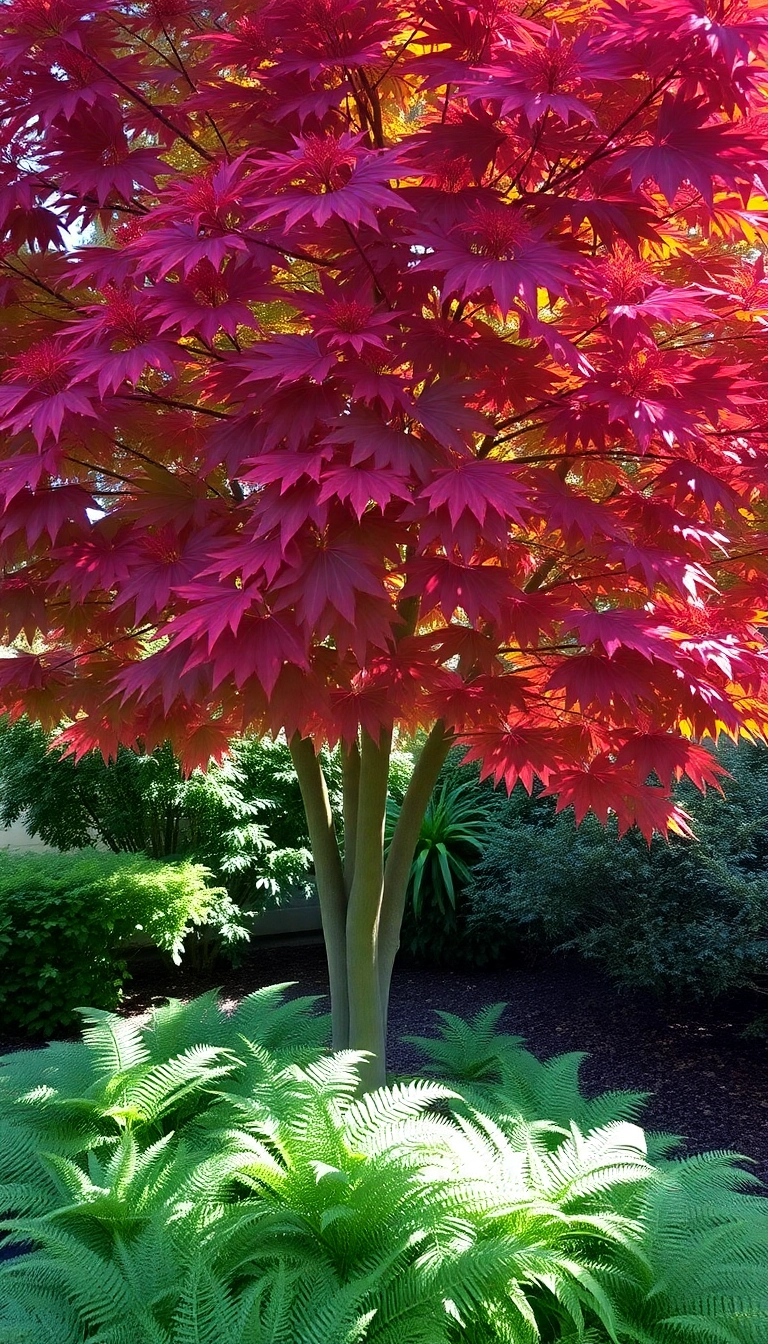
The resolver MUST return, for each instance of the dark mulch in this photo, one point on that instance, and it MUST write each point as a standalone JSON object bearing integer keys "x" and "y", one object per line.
{"x": 708, "y": 1082}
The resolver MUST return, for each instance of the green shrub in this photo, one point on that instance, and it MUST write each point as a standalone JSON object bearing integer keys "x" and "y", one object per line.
{"x": 206, "y": 1179}
{"x": 243, "y": 818}
{"x": 64, "y": 917}
{"x": 680, "y": 918}
{"x": 687, "y": 918}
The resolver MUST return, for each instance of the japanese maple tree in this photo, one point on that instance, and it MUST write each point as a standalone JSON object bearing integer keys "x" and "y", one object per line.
{"x": 373, "y": 364}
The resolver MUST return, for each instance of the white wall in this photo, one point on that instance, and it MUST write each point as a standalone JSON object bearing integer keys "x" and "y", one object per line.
{"x": 17, "y": 839}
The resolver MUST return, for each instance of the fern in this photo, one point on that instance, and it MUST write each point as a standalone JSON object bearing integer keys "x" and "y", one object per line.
{"x": 215, "y": 1178}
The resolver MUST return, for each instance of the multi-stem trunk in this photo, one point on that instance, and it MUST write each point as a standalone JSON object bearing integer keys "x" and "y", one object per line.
{"x": 362, "y": 899}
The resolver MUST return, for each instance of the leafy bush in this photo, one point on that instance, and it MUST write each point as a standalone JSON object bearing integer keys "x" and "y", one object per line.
{"x": 64, "y": 917}
{"x": 205, "y": 1179}
{"x": 686, "y": 918}
{"x": 243, "y": 818}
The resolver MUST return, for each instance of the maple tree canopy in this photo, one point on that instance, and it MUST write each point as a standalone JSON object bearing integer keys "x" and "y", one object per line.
{"x": 369, "y": 364}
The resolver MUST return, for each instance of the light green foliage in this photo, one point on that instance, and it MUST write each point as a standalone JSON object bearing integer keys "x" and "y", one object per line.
{"x": 63, "y": 918}
{"x": 401, "y": 763}
{"x": 206, "y": 1179}
{"x": 243, "y": 818}
{"x": 246, "y": 822}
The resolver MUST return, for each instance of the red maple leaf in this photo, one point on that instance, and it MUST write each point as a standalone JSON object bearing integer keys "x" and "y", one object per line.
{"x": 688, "y": 146}
{"x": 496, "y": 249}
{"x": 477, "y": 487}
{"x": 332, "y": 573}
{"x": 327, "y": 177}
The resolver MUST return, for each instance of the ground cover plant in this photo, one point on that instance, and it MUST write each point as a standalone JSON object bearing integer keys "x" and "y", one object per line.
{"x": 370, "y": 365}
{"x": 205, "y": 1179}
{"x": 65, "y": 921}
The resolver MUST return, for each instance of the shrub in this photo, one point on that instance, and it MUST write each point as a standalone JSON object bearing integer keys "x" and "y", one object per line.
{"x": 63, "y": 918}
{"x": 205, "y": 1179}
{"x": 242, "y": 818}
{"x": 687, "y": 918}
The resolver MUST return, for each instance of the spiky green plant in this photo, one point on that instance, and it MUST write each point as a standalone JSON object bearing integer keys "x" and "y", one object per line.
{"x": 208, "y": 1178}
{"x": 451, "y": 838}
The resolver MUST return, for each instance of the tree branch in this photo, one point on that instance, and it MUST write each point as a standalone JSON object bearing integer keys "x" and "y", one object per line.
{"x": 402, "y": 848}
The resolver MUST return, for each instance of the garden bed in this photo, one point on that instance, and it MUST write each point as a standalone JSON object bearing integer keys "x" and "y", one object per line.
{"x": 708, "y": 1081}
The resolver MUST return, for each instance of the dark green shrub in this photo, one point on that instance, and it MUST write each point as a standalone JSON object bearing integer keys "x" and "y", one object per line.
{"x": 675, "y": 919}
{"x": 686, "y": 917}
{"x": 63, "y": 919}
{"x": 206, "y": 1179}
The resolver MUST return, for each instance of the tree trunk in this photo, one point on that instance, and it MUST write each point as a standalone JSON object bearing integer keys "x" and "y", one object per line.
{"x": 330, "y": 881}
{"x": 401, "y": 851}
{"x": 366, "y": 1016}
{"x": 362, "y": 900}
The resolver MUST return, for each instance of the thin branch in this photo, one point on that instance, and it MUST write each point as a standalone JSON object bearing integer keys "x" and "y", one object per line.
{"x": 153, "y": 111}
{"x": 103, "y": 648}
{"x": 607, "y": 145}
{"x": 369, "y": 267}
{"x": 40, "y": 284}
{"x": 100, "y": 471}
{"x": 178, "y": 405}
{"x": 395, "y": 58}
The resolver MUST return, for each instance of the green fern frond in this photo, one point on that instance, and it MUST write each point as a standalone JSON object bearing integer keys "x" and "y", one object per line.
{"x": 176, "y": 1026}
{"x": 114, "y": 1043}
{"x": 153, "y": 1093}
{"x": 393, "y": 1104}
{"x": 281, "y": 1024}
